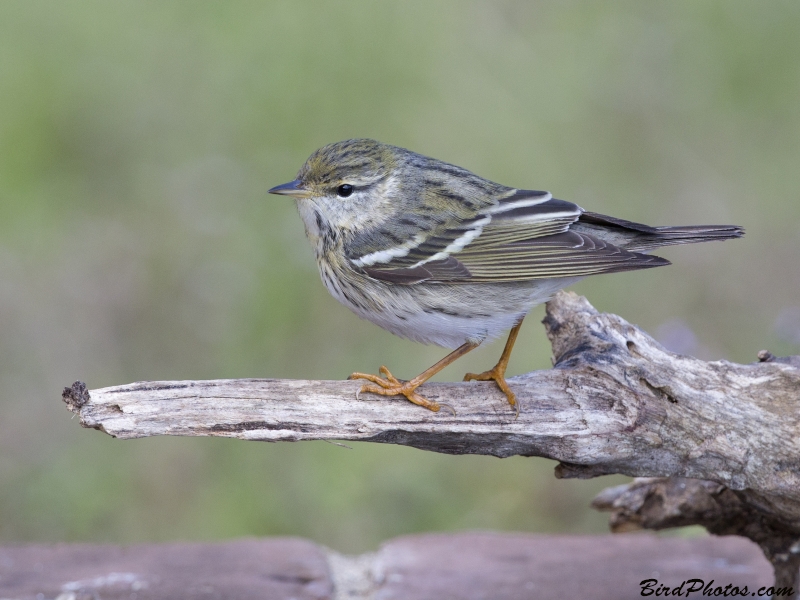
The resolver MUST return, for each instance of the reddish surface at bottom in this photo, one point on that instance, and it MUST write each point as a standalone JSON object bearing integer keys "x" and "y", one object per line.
{"x": 491, "y": 566}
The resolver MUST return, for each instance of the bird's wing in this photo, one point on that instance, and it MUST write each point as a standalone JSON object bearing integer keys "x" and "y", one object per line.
{"x": 522, "y": 236}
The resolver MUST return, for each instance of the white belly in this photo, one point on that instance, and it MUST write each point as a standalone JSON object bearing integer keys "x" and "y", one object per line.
{"x": 447, "y": 315}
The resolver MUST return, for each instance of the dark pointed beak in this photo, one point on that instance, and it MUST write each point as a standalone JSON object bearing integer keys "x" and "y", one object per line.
{"x": 293, "y": 188}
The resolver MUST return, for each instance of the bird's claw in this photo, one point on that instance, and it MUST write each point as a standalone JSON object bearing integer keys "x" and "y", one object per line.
{"x": 498, "y": 376}
{"x": 389, "y": 385}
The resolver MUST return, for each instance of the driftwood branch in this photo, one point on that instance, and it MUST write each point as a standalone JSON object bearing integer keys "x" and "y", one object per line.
{"x": 615, "y": 402}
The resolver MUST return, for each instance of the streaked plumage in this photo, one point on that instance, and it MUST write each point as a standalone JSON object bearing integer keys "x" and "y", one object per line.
{"x": 437, "y": 254}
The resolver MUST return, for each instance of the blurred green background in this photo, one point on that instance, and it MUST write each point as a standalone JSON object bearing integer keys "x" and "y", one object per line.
{"x": 137, "y": 241}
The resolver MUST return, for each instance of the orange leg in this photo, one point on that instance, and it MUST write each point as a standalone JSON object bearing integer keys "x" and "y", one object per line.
{"x": 389, "y": 385}
{"x": 498, "y": 372}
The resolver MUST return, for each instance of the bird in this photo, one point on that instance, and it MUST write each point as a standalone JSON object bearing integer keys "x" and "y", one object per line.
{"x": 439, "y": 255}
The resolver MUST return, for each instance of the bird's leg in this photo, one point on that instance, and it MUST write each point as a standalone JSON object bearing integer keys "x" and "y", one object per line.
{"x": 389, "y": 385}
{"x": 498, "y": 372}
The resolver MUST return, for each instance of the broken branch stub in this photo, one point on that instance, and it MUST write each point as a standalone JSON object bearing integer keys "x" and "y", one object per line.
{"x": 664, "y": 503}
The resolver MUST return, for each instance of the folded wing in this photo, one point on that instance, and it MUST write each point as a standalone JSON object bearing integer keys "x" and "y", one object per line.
{"x": 524, "y": 235}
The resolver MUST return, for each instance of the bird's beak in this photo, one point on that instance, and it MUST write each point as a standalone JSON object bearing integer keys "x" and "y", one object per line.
{"x": 293, "y": 188}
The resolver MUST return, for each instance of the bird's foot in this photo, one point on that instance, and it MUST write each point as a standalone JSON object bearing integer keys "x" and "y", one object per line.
{"x": 389, "y": 385}
{"x": 498, "y": 375}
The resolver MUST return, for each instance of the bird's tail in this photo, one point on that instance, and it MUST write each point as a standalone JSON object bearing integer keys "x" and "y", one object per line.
{"x": 642, "y": 238}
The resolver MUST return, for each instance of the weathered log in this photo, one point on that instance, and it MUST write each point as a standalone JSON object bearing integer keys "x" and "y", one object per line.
{"x": 616, "y": 401}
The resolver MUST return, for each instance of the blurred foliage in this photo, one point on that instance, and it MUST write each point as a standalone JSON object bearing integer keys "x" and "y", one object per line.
{"x": 138, "y": 139}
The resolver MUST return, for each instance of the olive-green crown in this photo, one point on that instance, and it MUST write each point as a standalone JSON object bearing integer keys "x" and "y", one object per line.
{"x": 362, "y": 158}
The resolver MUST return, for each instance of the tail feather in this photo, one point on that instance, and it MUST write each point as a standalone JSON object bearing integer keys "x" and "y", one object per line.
{"x": 641, "y": 238}
{"x": 689, "y": 234}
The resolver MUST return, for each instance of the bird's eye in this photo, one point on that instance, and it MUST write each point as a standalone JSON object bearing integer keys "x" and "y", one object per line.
{"x": 344, "y": 190}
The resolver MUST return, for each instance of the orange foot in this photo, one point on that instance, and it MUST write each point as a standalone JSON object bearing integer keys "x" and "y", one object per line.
{"x": 498, "y": 375}
{"x": 389, "y": 385}
{"x": 498, "y": 372}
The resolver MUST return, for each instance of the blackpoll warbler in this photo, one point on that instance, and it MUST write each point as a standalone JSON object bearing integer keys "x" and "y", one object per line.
{"x": 436, "y": 254}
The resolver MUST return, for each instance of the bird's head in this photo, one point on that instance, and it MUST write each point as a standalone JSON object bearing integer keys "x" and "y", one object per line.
{"x": 348, "y": 185}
